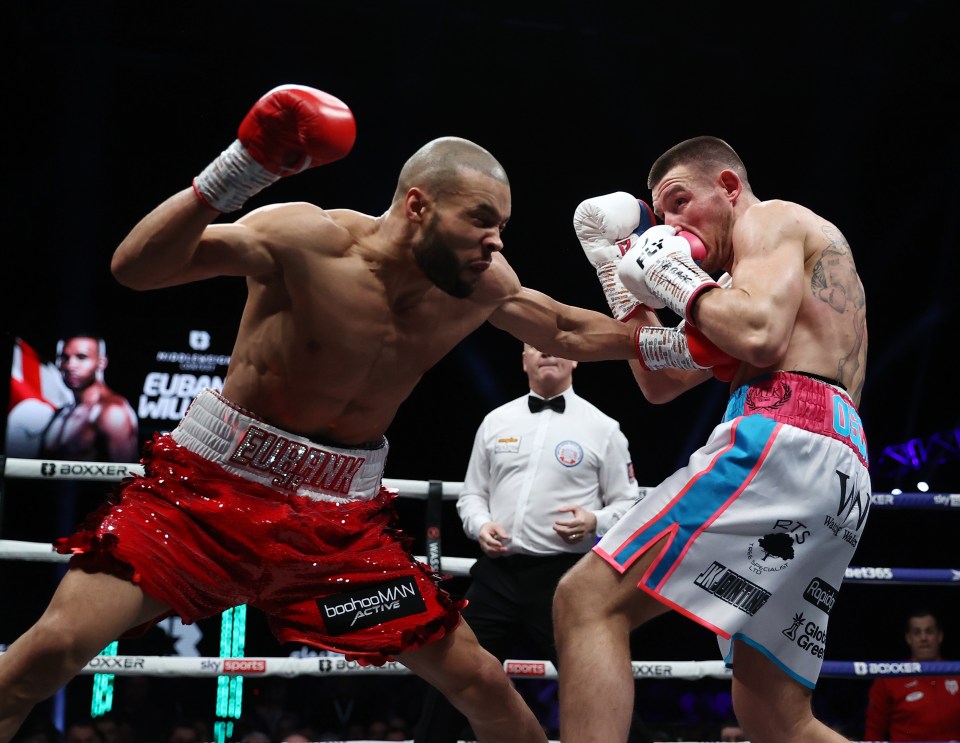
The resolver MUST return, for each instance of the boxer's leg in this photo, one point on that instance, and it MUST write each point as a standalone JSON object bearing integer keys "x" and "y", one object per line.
{"x": 475, "y": 683}
{"x": 769, "y": 705}
{"x": 88, "y": 611}
{"x": 594, "y": 610}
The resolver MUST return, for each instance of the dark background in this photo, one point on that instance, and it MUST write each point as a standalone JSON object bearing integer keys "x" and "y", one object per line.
{"x": 846, "y": 107}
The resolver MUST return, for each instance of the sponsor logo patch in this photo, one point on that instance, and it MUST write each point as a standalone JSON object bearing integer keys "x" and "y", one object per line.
{"x": 806, "y": 635}
{"x": 778, "y": 545}
{"x": 885, "y": 669}
{"x": 569, "y": 453}
{"x": 821, "y": 594}
{"x": 526, "y": 668}
{"x": 77, "y": 470}
{"x": 657, "y": 670}
{"x": 115, "y": 662}
{"x": 852, "y": 504}
{"x": 733, "y": 588}
{"x": 370, "y": 606}
{"x": 869, "y": 573}
{"x": 295, "y": 464}
{"x": 244, "y": 665}
{"x": 507, "y": 445}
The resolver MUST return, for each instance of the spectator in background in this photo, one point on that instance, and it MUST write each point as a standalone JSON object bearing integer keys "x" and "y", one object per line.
{"x": 731, "y": 732}
{"x": 99, "y": 425}
{"x": 112, "y": 730}
{"x": 187, "y": 731}
{"x": 915, "y": 708}
{"x": 82, "y": 731}
{"x": 39, "y": 729}
{"x": 549, "y": 473}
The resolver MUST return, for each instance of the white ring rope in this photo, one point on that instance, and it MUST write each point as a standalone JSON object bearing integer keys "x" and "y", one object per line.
{"x": 337, "y": 665}
{"x": 59, "y": 469}
{"x": 459, "y": 567}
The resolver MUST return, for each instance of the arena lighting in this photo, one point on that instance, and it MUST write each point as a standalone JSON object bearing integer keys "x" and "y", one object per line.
{"x": 917, "y": 454}
{"x": 230, "y": 688}
{"x": 922, "y": 486}
{"x": 102, "y": 700}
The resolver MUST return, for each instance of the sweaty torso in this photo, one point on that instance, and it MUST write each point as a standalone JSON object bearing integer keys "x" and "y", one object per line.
{"x": 337, "y": 337}
{"x": 829, "y": 336}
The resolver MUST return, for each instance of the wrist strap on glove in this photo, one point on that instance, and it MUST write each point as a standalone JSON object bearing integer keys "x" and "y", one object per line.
{"x": 659, "y": 348}
{"x": 622, "y": 303}
{"x": 231, "y": 179}
{"x": 678, "y": 282}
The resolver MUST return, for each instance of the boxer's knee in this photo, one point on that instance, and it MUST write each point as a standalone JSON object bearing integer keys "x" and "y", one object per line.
{"x": 576, "y": 597}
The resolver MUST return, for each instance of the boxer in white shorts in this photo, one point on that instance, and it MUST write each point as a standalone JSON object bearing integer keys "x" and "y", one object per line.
{"x": 773, "y": 588}
{"x": 752, "y": 536}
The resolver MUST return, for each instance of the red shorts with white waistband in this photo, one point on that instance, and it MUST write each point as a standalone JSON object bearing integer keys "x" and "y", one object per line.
{"x": 338, "y": 576}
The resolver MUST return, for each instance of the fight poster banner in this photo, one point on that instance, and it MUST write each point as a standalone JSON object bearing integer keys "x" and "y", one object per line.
{"x": 89, "y": 398}
{"x": 177, "y": 373}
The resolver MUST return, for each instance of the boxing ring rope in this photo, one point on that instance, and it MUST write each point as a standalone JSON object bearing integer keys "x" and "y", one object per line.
{"x": 163, "y": 666}
{"x": 11, "y": 549}
{"x": 433, "y": 492}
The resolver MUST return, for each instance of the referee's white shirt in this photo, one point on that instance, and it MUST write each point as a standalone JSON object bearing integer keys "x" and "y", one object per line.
{"x": 524, "y": 466}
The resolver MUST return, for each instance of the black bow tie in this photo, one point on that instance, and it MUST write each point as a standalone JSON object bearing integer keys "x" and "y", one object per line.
{"x": 537, "y": 404}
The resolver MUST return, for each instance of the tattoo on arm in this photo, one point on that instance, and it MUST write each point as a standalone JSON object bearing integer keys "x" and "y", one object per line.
{"x": 835, "y": 281}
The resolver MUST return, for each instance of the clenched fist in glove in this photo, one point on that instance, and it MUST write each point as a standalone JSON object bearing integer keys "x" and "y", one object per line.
{"x": 290, "y": 129}
{"x": 661, "y": 271}
{"x": 683, "y": 347}
{"x": 607, "y": 226}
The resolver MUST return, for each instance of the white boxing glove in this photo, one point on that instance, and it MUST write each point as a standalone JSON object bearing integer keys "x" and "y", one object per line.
{"x": 661, "y": 272}
{"x": 607, "y": 227}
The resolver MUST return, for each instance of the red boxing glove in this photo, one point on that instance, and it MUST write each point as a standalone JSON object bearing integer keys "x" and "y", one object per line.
{"x": 682, "y": 347}
{"x": 294, "y": 127}
{"x": 290, "y": 129}
{"x": 706, "y": 354}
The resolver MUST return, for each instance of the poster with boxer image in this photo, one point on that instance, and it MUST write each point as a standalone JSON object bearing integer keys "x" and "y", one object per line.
{"x": 91, "y": 399}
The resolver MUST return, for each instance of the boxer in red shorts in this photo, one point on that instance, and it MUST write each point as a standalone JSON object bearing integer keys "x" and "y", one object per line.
{"x": 344, "y": 314}
{"x": 333, "y": 574}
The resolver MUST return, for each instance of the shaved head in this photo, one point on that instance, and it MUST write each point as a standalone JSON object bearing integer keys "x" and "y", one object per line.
{"x": 436, "y": 166}
{"x": 707, "y": 155}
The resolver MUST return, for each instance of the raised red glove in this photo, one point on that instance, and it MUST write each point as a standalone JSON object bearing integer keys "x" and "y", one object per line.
{"x": 290, "y": 129}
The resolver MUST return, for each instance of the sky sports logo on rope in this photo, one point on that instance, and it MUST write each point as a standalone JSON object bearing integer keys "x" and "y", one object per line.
{"x": 363, "y": 608}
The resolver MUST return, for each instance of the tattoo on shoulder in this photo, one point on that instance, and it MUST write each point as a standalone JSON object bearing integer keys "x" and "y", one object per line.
{"x": 834, "y": 279}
